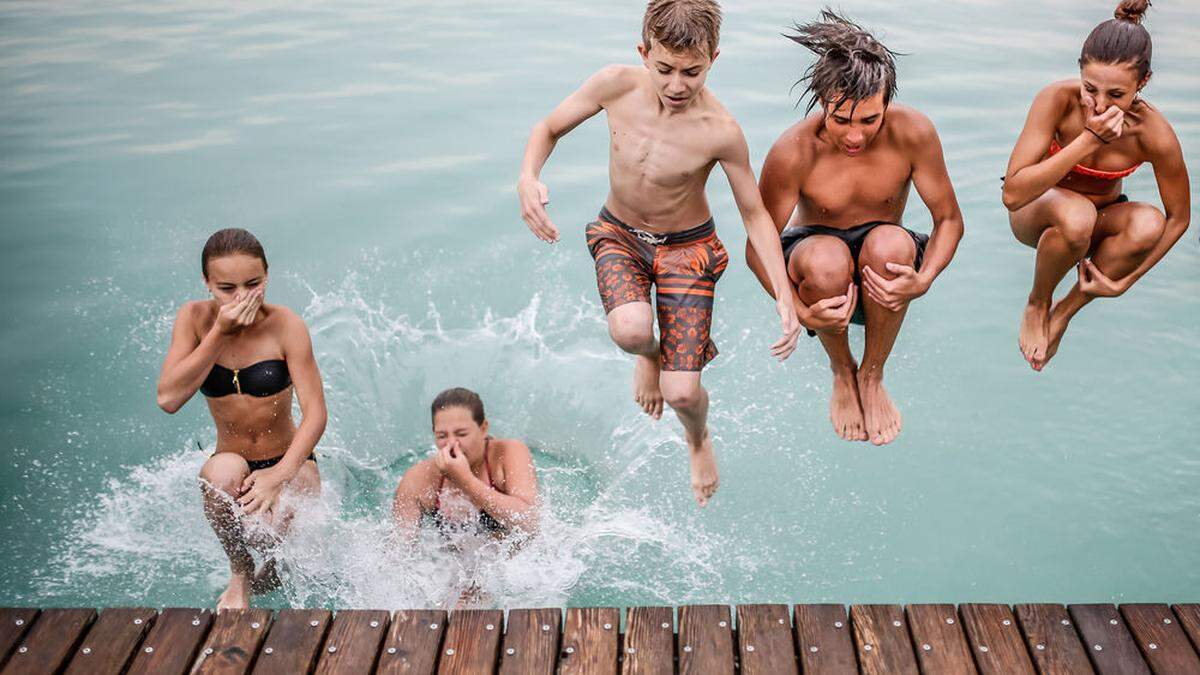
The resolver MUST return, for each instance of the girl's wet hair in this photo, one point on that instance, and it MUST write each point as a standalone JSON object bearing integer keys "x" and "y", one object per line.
{"x": 1122, "y": 39}
{"x": 458, "y": 397}
{"x": 851, "y": 65}
{"x": 230, "y": 241}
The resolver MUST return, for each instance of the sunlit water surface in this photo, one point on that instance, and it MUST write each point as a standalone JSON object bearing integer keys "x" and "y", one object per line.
{"x": 373, "y": 147}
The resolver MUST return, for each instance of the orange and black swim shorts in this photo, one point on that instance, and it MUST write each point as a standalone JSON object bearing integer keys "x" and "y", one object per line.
{"x": 682, "y": 266}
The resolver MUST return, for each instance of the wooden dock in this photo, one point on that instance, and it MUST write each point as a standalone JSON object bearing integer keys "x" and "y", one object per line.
{"x": 751, "y": 639}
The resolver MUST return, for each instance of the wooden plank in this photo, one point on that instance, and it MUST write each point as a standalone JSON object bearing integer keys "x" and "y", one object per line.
{"x": 1107, "y": 641}
{"x": 1052, "y": 640}
{"x": 649, "y": 641}
{"x": 413, "y": 642}
{"x": 589, "y": 644}
{"x": 233, "y": 642}
{"x": 881, "y": 637}
{"x": 1163, "y": 643}
{"x": 938, "y": 640}
{"x": 14, "y": 623}
{"x": 765, "y": 643}
{"x": 472, "y": 642}
{"x": 50, "y": 641}
{"x": 1189, "y": 618}
{"x": 352, "y": 645}
{"x": 823, "y": 640}
{"x": 705, "y": 640}
{"x": 293, "y": 642}
{"x": 530, "y": 641}
{"x": 995, "y": 640}
{"x": 109, "y": 646}
{"x": 172, "y": 642}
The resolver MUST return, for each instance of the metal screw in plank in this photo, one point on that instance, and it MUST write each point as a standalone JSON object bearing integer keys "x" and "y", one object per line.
{"x": 149, "y": 650}
{"x": 450, "y": 652}
{"x": 1066, "y": 622}
{"x": 687, "y": 648}
{"x": 1098, "y": 648}
{"x": 269, "y": 650}
{"x": 374, "y": 624}
{"x": 391, "y": 650}
{"x": 781, "y": 621}
{"x": 722, "y": 624}
{"x": 665, "y": 625}
{"x": 490, "y": 626}
{"x": 314, "y": 623}
{"x": 867, "y": 648}
{"x": 433, "y": 626}
{"x": 749, "y": 648}
{"x": 195, "y": 622}
{"x": 20, "y": 622}
{"x": 1113, "y": 621}
{"x": 86, "y": 651}
{"x": 896, "y": 624}
{"x": 510, "y": 651}
{"x": 813, "y": 649}
{"x": 1153, "y": 646}
{"x": 23, "y": 649}
{"x": 949, "y": 620}
{"x": 332, "y": 649}
{"x": 608, "y": 626}
{"x": 1167, "y": 621}
{"x": 837, "y": 624}
{"x": 983, "y": 648}
{"x": 256, "y": 625}
{"x": 926, "y": 647}
{"x": 1041, "y": 647}
{"x": 631, "y": 650}
{"x": 570, "y": 650}
{"x": 208, "y": 650}
{"x": 1006, "y": 622}
{"x": 137, "y": 622}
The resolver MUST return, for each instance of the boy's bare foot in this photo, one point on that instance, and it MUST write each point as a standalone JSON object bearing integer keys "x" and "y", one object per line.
{"x": 704, "y": 469}
{"x": 1032, "y": 337}
{"x": 646, "y": 391}
{"x": 845, "y": 409}
{"x": 236, "y": 595}
{"x": 1058, "y": 327}
{"x": 881, "y": 415}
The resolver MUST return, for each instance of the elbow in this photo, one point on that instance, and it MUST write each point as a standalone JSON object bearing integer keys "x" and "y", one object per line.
{"x": 168, "y": 404}
{"x": 1011, "y": 202}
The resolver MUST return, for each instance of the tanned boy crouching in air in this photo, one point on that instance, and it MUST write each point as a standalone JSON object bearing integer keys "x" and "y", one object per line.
{"x": 838, "y": 180}
{"x": 666, "y": 132}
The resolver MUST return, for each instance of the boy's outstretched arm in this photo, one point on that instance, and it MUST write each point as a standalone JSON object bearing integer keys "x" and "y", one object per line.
{"x": 585, "y": 102}
{"x": 763, "y": 236}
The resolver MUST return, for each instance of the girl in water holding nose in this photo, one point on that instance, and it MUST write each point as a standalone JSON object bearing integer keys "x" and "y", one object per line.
{"x": 246, "y": 357}
{"x": 473, "y": 481}
{"x": 1063, "y": 186}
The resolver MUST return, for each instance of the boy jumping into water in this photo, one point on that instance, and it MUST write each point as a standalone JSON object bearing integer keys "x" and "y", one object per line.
{"x": 839, "y": 180}
{"x": 666, "y": 132}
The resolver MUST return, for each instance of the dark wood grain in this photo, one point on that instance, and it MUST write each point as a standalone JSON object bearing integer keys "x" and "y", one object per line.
{"x": 705, "y": 640}
{"x": 14, "y": 623}
{"x": 50, "y": 641}
{"x": 233, "y": 642}
{"x": 109, "y": 645}
{"x": 881, "y": 638}
{"x": 823, "y": 640}
{"x": 649, "y": 641}
{"x": 1052, "y": 640}
{"x": 938, "y": 640}
{"x": 589, "y": 644}
{"x": 530, "y": 642}
{"x": 413, "y": 642}
{"x": 1163, "y": 643}
{"x": 995, "y": 640}
{"x": 1107, "y": 640}
{"x": 293, "y": 643}
{"x": 472, "y": 642}
{"x": 1189, "y": 618}
{"x": 765, "y": 642}
{"x": 353, "y": 643}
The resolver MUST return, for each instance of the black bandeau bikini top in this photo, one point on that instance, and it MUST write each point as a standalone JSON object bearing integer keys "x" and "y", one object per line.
{"x": 265, "y": 378}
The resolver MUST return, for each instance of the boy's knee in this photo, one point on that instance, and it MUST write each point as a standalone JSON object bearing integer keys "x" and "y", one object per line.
{"x": 683, "y": 396}
{"x": 1145, "y": 229}
{"x": 632, "y": 336}
{"x": 887, "y": 244}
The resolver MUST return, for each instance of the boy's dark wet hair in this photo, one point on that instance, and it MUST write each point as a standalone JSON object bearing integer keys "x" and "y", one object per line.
{"x": 851, "y": 65}
{"x": 458, "y": 397}
{"x": 683, "y": 25}
{"x": 1122, "y": 39}
{"x": 230, "y": 241}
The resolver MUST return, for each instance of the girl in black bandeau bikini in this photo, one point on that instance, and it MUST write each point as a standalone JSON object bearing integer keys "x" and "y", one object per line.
{"x": 246, "y": 357}
{"x": 473, "y": 481}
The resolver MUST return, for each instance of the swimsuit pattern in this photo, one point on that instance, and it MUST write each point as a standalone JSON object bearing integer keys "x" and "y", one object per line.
{"x": 682, "y": 266}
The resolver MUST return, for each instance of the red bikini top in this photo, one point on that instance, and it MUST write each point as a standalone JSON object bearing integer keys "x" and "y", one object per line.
{"x": 1089, "y": 171}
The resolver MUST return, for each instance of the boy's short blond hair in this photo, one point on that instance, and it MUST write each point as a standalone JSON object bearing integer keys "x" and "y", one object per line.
{"x": 683, "y": 25}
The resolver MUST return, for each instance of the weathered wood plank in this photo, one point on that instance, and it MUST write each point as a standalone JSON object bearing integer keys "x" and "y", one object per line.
{"x": 823, "y": 640}
{"x": 1189, "y": 618}
{"x": 109, "y": 646}
{"x": 14, "y": 623}
{"x": 589, "y": 644}
{"x": 765, "y": 643}
{"x": 881, "y": 637}
{"x": 1052, "y": 640}
{"x": 293, "y": 642}
{"x": 233, "y": 642}
{"x": 50, "y": 641}
{"x": 649, "y": 641}
{"x": 995, "y": 640}
{"x": 1107, "y": 641}
{"x": 1163, "y": 643}
{"x": 530, "y": 641}
{"x": 413, "y": 642}
{"x": 705, "y": 640}
{"x": 352, "y": 645}
{"x": 172, "y": 642}
{"x": 472, "y": 642}
{"x": 938, "y": 640}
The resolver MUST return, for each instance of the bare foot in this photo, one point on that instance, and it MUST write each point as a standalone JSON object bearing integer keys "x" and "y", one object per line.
{"x": 1032, "y": 337}
{"x": 266, "y": 579}
{"x": 881, "y": 415}
{"x": 1058, "y": 327}
{"x": 845, "y": 410}
{"x": 704, "y": 469}
{"x": 236, "y": 595}
{"x": 646, "y": 391}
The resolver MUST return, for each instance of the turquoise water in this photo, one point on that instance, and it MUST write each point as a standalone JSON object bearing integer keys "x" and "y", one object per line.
{"x": 373, "y": 147}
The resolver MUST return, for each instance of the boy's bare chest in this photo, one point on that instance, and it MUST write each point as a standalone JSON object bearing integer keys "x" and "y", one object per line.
{"x": 873, "y": 187}
{"x": 664, "y": 152}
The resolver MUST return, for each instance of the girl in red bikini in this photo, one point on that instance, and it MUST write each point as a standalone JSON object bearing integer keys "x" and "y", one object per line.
{"x": 1063, "y": 185}
{"x": 473, "y": 481}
